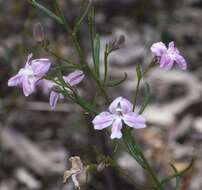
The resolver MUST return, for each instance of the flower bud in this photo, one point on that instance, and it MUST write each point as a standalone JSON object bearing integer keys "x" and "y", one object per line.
{"x": 38, "y": 32}
{"x": 117, "y": 43}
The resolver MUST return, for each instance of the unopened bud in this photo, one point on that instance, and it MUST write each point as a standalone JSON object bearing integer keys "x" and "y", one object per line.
{"x": 118, "y": 43}
{"x": 38, "y": 32}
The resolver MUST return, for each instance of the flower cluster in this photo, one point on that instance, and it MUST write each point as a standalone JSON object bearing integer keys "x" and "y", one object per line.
{"x": 120, "y": 111}
{"x": 32, "y": 75}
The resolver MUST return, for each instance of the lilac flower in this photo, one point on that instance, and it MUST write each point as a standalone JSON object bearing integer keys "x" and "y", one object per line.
{"x": 72, "y": 79}
{"x": 168, "y": 55}
{"x": 29, "y": 76}
{"x": 120, "y": 111}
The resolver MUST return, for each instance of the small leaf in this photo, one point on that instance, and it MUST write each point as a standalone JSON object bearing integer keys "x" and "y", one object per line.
{"x": 84, "y": 12}
{"x": 84, "y": 104}
{"x": 132, "y": 147}
{"x": 139, "y": 72}
{"x": 178, "y": 178}
{"x": 113, "y": 83}
{"x": 46, "y": 11}
{"x": 180, "y": 173}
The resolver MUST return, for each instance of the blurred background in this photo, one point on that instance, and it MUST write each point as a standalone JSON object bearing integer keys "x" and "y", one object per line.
{"x": 35, "y": 142}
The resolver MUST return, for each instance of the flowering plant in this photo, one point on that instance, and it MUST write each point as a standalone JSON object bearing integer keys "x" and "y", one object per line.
{"x": 121, "y": 116}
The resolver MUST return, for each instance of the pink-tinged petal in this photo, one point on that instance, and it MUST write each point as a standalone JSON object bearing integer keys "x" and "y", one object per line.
{"x": 114, "y": 105}
{"x": 75, "y": 77}
{"x": 134, "y": 120}
{"x": 158, "y": 48}
{"x": 54, "y": 96}
{"x": 181, "y": 61}
{"x": 40, "y": 66}
{"x": 28, "y": 85}
{"x": 103, "y": 120}
{"x": 116, "y": 129}
{"x": 166, "y": 62}
{"x": 126, "y": 105}
{"x": 172, "y": 48}
{"x": 15, "y": 80}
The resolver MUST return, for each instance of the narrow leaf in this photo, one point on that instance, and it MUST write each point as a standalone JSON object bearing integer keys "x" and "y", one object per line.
{"x": 139, "y": 72}
{"x": 131, "y": 146}
{"x": 178, "y": 178}
{"x": 84, "y": 104}
{"x": 84, "y": 13}
{"x": 180, "y": 173}
{"x": 46, "y": 11}
{"x": 113, "y": 83}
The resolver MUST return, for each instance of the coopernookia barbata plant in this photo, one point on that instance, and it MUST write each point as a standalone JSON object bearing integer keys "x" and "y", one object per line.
{"x": 121, "y": 115}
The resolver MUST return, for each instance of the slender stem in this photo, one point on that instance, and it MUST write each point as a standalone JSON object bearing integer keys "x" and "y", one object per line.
{"x": 136, "y": 152}
{"x": 78, "y": 23}
{"x": 136, "y": 93}
{"x": 70, "y": 32}
{"x": 99, "y": 84}
{"x": 58, "y": 57}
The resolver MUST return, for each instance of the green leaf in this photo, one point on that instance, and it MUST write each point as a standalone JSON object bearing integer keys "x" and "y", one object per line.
{"x": 132, "y": 147}
{"x": 178, "y": 178}
{"x": 147, "y": 99}
{"x": 46, "y": 11}
{"x": 97, "y": 53}
{"x": 139, "y": 71}
{"x": 84, "y": 12}
{"x": 113, "y": 83}
{"x": 84, "y": 104}
{"x": 180, "y": 173}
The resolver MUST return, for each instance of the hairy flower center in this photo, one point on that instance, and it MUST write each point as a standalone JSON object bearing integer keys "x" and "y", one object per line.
{"x": 28, "y": 71}
{"x": 119, "y": 112}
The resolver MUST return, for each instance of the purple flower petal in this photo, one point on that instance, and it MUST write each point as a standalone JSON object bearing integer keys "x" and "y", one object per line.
{"x": 134, "y": 120}
{"x": 126, "y": 105}
{"x": 166, "y": 62}
{"x": 116, "y": 129}
{"x": 28, "y": 85}
{"x": 40, "y": 66}
{"x": 75, "y": 77}
{"x": 54, "y": 96}
{"x": 181, "y": 62}
{"x": 15, "y": 80}
{"x": 114, "y": 105}
{"x": 172, "y": 49}
{"x": 103, "y": 120}
{"x": 46, "y": 85}
{"x": 158, "y": 48}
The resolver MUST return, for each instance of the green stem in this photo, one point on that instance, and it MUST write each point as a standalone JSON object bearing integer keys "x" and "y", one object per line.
{"x": 136, "y": 152}
{"x": 106, "y": 62}
{"x": 136, "y": 93}
{"x": 99, "y": 84}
